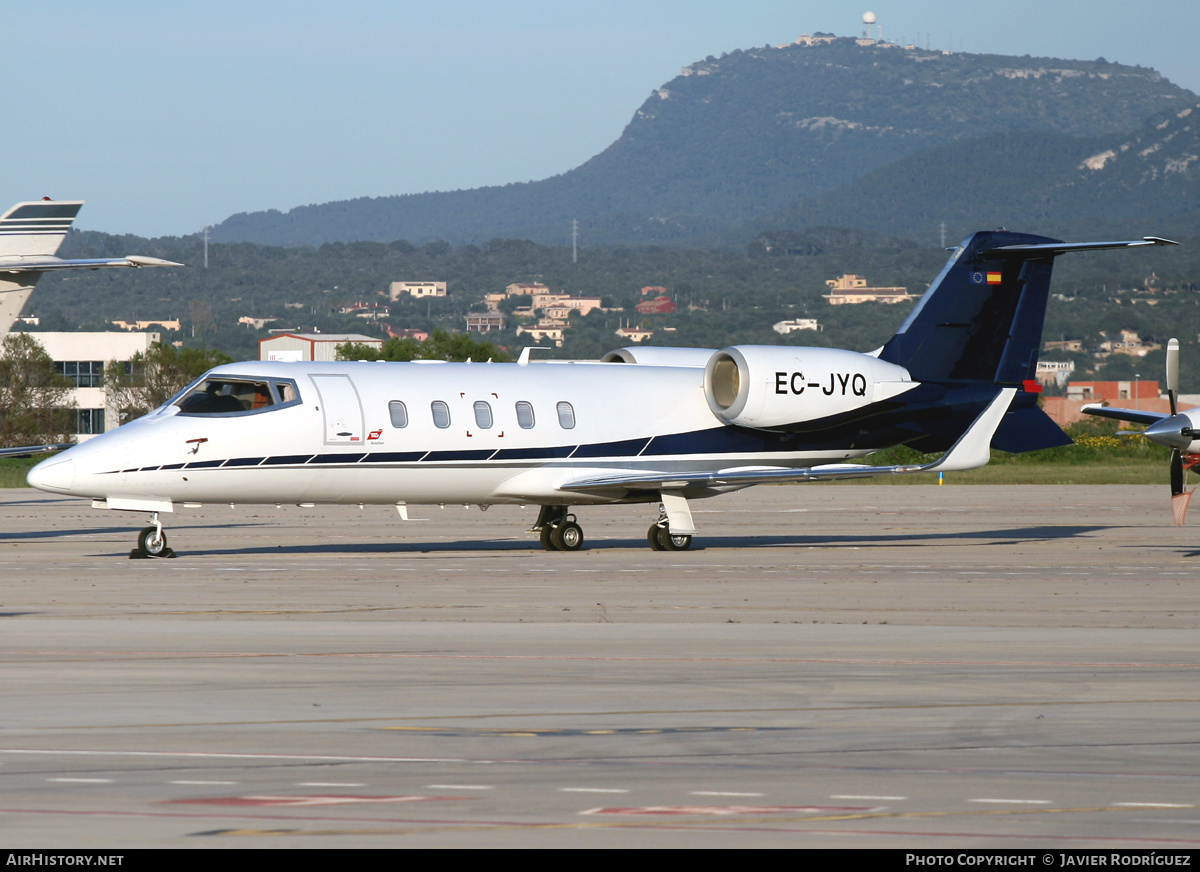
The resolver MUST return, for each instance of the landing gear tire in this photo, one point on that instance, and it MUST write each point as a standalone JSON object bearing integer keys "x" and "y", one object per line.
{"x": 546, "y": 535}
{"x": 652, "y": 537}
{"x": 153, "y": 542}
{"x": 667, "y": 542}
{"x": 567, "y": 537}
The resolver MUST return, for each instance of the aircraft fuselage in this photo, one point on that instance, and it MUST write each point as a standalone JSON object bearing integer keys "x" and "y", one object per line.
{"x": 486, "y": 433}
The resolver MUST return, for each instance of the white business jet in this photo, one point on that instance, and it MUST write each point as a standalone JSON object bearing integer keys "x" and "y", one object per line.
{"x": 643, "y": 425}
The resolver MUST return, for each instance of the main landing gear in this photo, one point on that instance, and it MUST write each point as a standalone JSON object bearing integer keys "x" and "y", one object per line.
{"x": 558, "y": 530}
{"x": 152, "y": 542}
{"x": 660, "y": 538}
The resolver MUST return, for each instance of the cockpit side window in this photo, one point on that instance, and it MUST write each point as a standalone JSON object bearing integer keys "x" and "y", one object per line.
{"x": 218, "y": 395}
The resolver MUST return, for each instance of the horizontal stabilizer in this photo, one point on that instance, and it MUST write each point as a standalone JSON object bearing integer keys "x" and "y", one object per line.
{"x": 1065, "y": 247}
{"x": 1029, "y": 429}
{"x": 1134, "y": 416}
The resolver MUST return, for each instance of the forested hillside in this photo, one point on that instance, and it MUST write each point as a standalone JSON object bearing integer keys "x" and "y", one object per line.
{"x": 1144, "y": 182}
{"x": 725, "y": 296}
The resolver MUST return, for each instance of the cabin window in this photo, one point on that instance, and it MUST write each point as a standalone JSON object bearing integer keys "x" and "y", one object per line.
{"x": 525, "y": 415}
{"x": 215, "y": 396}
{"x": 399, "y": 413}
{"x": 483, "y": 415}
{"x": 566, "y": 416}
{"x": 441, "y": 414}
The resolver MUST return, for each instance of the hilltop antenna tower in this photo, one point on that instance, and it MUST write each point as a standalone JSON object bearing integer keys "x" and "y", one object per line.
{"x": 574, "y": 240}
{"x": 869, "y": 18}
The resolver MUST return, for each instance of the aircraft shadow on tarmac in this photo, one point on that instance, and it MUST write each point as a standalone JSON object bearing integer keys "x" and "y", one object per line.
{"x": 64, "y": 532}
{"x": 1008, "y": 536}
{"x": 60, "y": 533}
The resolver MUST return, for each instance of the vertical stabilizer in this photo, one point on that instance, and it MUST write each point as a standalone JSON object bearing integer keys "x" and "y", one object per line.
{"x": 37, "y": 228}
{"x": 981, "y": 319}
{"x": 34, "y": 230}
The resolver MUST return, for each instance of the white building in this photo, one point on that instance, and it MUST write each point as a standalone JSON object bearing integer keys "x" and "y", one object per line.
{"x": 416, "y": 289}
{"x": 82, "y": 357}
{"x": 1056, "y": 372}
{"x": 635, "y": 334}
{"x": 310, "y": 346}
{"x": 783, "y": 328}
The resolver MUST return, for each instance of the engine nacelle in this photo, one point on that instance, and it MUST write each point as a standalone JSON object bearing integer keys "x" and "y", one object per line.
{"x": 654, "y": 355}
{"x": 771, "y": 387}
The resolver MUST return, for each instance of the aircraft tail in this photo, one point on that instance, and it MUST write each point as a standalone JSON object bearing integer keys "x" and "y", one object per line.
{"x": 981, "y": 319}
{"x": 37, "y": 228}
{"x": 29, "y": 230}
{"x": 981, "y": 322}
{"x": 30, "y": 234}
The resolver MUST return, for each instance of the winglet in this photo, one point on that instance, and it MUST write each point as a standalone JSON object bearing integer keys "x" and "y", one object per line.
{"x": 974, "y": 448}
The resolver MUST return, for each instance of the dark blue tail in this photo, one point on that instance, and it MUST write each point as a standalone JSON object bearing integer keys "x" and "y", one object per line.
{"x": 981, "y": 319}
{"x": 980, "y": 326}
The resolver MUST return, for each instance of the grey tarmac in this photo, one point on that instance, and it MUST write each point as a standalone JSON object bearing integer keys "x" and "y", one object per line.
{"x": 954, "y": 667}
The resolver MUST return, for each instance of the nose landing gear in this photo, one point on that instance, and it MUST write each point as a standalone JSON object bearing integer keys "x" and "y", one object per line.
{"x": 557, "y": 529}
{"x": 152, "y": 542}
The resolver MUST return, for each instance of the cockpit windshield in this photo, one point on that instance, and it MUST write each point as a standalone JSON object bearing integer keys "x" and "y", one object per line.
{"x": 220, "y": 395}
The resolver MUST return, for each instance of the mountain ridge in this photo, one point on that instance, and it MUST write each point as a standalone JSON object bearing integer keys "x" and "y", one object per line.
{"x": 734, "y": 139}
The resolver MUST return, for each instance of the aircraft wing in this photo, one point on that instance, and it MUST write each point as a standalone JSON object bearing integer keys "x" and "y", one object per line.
{"x": 972, "y": 450}
{"x": 30, "y": 450}
{"x": 1132, "y": 415}
{"x": 40, "y": 264}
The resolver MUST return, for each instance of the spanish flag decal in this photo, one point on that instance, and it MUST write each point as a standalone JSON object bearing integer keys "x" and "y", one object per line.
{"x": 993, "y": 278}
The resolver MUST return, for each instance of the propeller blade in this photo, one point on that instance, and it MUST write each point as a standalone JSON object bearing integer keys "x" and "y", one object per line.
{"x": 1176, "y": 472}
{"x": 1173, "y": 374}
{"x": 1179, "y": 505}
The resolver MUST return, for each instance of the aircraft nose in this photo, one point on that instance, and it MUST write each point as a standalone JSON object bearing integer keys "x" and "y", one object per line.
{"x": 55, "y": 474}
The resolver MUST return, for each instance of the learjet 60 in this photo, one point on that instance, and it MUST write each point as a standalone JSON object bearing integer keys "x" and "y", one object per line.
{"x": 642, "y": 425}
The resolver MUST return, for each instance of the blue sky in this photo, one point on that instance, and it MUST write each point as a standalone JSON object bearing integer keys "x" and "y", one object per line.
{"x": 166, "y": 118}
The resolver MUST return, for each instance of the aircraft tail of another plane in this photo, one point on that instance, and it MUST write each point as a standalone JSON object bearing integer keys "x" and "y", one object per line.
{"x": 36, "y": 228}
{"x": 29, "y": 230}
{"x": 30, "y": 234}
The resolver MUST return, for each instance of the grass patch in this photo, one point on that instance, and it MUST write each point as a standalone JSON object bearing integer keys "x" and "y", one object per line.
{"x": 1054, "y": 473}
{"x": 14, "y": 469}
